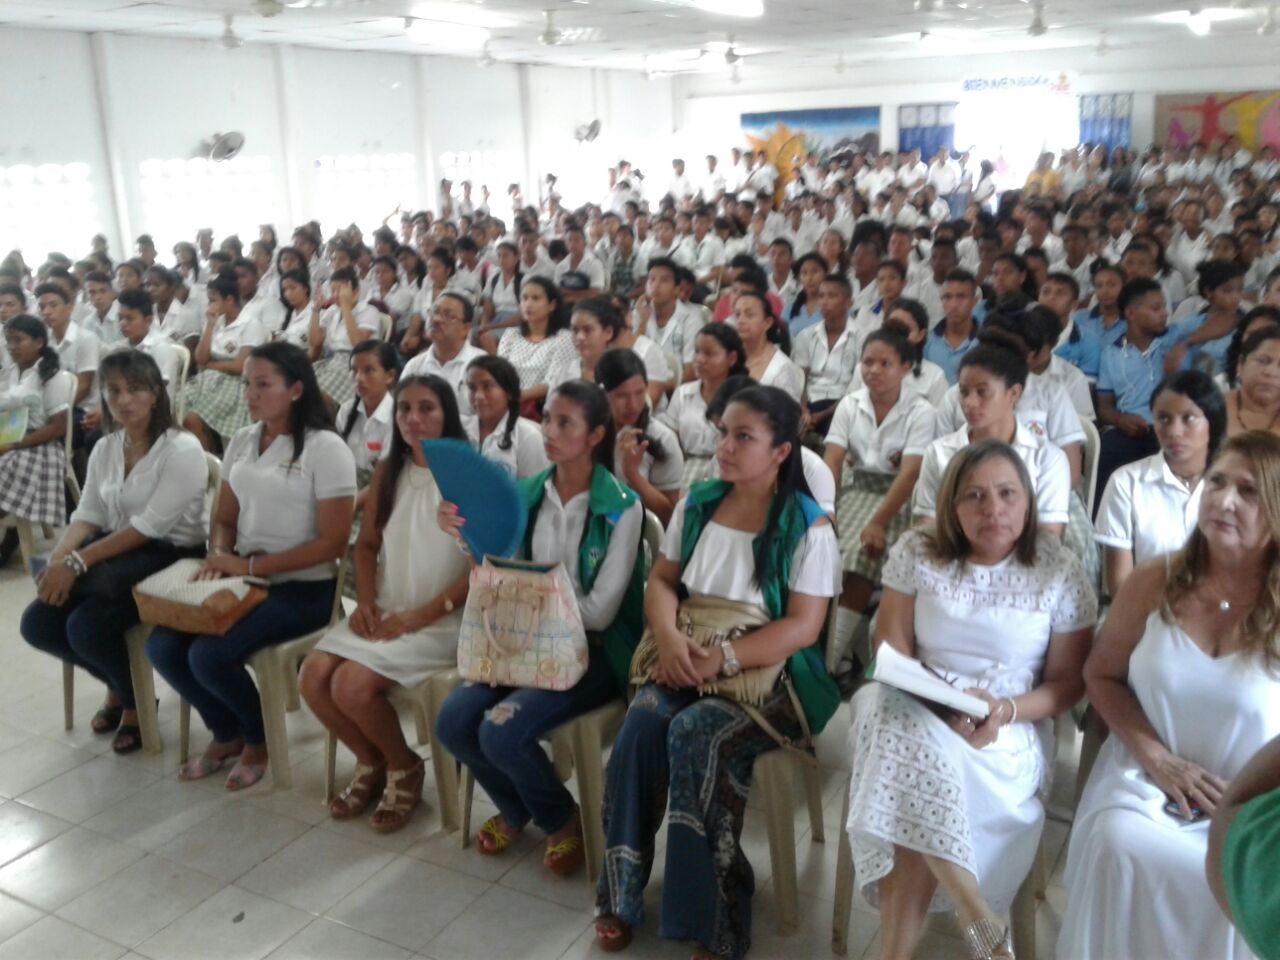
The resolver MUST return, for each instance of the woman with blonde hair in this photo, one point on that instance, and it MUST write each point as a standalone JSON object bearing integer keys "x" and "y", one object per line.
{"x": 945, "y": 809}
{"x": 1186, "y": 674}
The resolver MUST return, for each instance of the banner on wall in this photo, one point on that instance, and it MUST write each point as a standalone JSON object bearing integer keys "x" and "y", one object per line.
{"x": 787, "y": 136}
{"x": 1187, "y": 118}
{"x": 927, "y": 127}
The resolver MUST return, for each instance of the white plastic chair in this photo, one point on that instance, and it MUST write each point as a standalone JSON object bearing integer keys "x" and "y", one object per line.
{"x": 1089, "y": 469}
{"x": 177, "y": 390}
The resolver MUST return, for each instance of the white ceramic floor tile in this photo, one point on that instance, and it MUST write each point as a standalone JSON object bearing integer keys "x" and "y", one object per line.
{"x": 59, "y": 871}
{"x": 140, "y": 900}
{"x": 87, "y": 789}
{"x": 232, "y": 841}
{"x": 326, "y": 940}
{"x": 156, "y": 815}
{"x": 15, "y": 915}
{"x": 538, "y": 930}
{"x": 408, "y": 902}
{"x": 233, "y": 924}
{"x": 23, "y": 829}
{"x": 531, "y": 877}
{"x": 316, "y": 870}
{"x": 36, "y": 761}
{"x": 54, "y": 939}
{"x": 445, "y": 849}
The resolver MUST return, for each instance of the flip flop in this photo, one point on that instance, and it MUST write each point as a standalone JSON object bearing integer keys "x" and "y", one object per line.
{"x": 245, "y": 775}
{"x": 612, "y": 935}
{"x": 106, "y": 719}
{"x": 128, "y": 739}
{"x": 201, "y": 767}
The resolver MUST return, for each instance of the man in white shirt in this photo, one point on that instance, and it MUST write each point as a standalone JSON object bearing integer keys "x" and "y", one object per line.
{"x": 944, "y": 177}
{"x": 927, "y": 286}
{"x": 714, "y": 183}
{"x": 580, "y": 261}
{"x": 680, "y": 187}
{"x": 1036, "y": 234}
{"x": 104, "y": 321}
{"x": 468, "y": 274}
{"x": 763, "y": 179}
{"x": 1190, "y": 245}
{"x": 534, "y": 261}
{"x": 177, "y": 321}
{"x": 912, "y": 171}
{"x": 828, "y": 352}
{"x": 877, "y": 180}
{"x": 451, "y": 351}
{"x": 77, "y": 347}
{"x": 1076, "y": 260}
{"x": 137, "y": 331}
{"x": 706, "y": 249}
{"x": 664, "y": 245}
{"x": 802, "y": 233}
{"x": 734, "y": 176}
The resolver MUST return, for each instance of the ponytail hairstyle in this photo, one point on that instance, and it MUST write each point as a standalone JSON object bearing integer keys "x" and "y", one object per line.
{"x": 615, "y": 367}
{"x": 309, "y": 412}
{"x": 50, "y": 361}
{"x": 1000, "y": 358}
{"x": 505, "y": 375}
{"x": 725, "y": 335}
{"x": 920, "y": 317}
{"x": 1013, "y": 332}
{"x": 388, "y": 359}
{"x": 400, "y": 454}
{"x": 782, "y": 414}
{"x": 777, "y": 333}
{"x": 594, "y": 404}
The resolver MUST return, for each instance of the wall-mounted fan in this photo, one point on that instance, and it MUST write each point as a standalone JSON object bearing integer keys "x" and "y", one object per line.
{"x": 221, "y": 146}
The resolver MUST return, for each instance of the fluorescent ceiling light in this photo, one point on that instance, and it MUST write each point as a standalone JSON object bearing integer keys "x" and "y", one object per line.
{"x": 1200, "y": 22}
{"x": 460, "y": 13}
{"x": 731, "y": 8}
{"x": 451, "y": 36}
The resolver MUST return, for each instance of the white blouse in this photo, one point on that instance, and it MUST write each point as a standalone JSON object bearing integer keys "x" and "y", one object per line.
{"x": 829, "y": 371}
{"x": 686, "y": 414}
{"x": 336, "y": 338}
{"x": 452, "y": 371}
{"x": 526, "y": 454}
{"x": 163, "y": 497}
{"x": 398, "y": 300}
{"x": 1044, "y": 408}
{"x": 369, "y": 439}
{"x": 24, "y": 388}
{"x": 906, "y": 431}
{"x": 723, "y": 562}
{"x": 298, "y": 329}
{"x": 278, "y": 496}
{"x": 783, "y": 373}
{"x": 502, "y": 294}
{"x": 931, "y": 385}
{"x": 230, "y": 338}
{"x": 557, "y": 535}
{"x": 1145, "y": 509}
{"x": 533, "y": 361}
{"x": 665, "y": 475}
{"x": 1047, "y": 465}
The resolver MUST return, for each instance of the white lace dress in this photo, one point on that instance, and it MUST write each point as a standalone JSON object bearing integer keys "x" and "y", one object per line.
{"x": 1135, "y": 876}
{"x": 916, "y": 783}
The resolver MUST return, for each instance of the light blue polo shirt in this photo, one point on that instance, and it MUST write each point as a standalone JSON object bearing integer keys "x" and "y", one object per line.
{"x": 1089, "y": 338}
{"x": 937, "y": 350}
{"x": 1131, "y": 376}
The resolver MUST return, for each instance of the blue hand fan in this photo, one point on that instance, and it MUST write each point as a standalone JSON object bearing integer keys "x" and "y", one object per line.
{"x": 484, "y": 493}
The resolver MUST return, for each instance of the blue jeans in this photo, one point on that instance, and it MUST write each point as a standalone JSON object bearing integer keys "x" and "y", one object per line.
{"x": 495, "y": 731}
{"x": 209, "y": 672}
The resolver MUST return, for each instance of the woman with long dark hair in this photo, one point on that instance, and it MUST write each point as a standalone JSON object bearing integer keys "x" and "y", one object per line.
{"x": 410, "y": 587}
{"x": 718, "y": 355}
{"x": 540, "y": 343}
{"x": 756, "y": 545}
{"x": 501, "y": 434}
{"x": 284, "y": 513}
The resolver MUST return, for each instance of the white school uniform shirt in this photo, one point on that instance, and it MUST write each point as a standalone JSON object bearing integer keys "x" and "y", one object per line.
{"x": 161, "y": 350}
{"x": 163, "y": 497}
{"x": 785, "y": 374}
{"x": 1184, "y": 253}
{"x": 1047, "y": 465}
{"x": 828, "y": 372}
{"x": 928, "y": 294}
{"x": 469, "y": 281}
{"x": 1147, "y": 510}
{"x": 931, "y": 384}
{"x": 278, "y": 495}
{"x": 1083, "y": 277}
{"x": 656, "y": 368}
{"x": 502, "y": 293}
{"x": 1068, "y": 376}
{"x": 453, "y": 371}
{"x": 588, "y": 265}
{"x": 785, "y": 291}
{"x": 686, "y": 414}
{"x": 557, "y": 535}
{"x": 526, "y": 455}
{"x": 229, "y": 339}
{"x": 676, "y": 339}
{"x": 181, "y": 322}
{"x": 369, "y": 439}
{"x": 1044, "y": 409}
{"x": 542, "y": 266}
{"x": 107, "y": 328}
{"x": 79, "y": 350}
{"x": 24, "y": 388}
{"x": 298, "y": 329}
{"x": 1052, "y": 246}
{"x": 399, "y": 299}
{"x": 707, "y": 253}
{"x": 906, "y": 431}
{"x": 270, "y": 310}
{"x": 1115, "y": 247}
{"x": 336, "y": 337}
{"x": 665, "y": 475}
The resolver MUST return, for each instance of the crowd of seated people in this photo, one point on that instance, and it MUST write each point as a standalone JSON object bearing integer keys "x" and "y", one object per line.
{"x": 880, "y": 404}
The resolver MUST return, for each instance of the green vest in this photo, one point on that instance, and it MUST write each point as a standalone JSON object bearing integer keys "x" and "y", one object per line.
{"x": 818, "y": 693}
{"x": 609, "y": 498}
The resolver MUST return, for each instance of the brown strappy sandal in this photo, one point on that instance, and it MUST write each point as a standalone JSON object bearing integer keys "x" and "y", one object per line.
{"x": 400, "y": 797}
{"x": 366, "y": 783}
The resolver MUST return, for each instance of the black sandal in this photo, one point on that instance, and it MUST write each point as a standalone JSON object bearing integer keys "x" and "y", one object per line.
{"x": 128, "y": 739}
{"x": 106, "y": 719}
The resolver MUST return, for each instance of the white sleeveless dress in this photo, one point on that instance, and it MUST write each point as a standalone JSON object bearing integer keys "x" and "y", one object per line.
{"x": 1135, "y": 876}
{"x": 417, "y": 562}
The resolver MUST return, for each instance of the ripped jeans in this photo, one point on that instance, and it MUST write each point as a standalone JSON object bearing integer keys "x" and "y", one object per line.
{"x": 495, "y": 732}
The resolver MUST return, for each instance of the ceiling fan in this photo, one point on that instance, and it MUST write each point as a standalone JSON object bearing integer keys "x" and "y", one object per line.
{"x": 553, "y": 36}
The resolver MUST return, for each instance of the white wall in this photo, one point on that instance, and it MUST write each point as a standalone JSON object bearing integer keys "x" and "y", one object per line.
{"x": 310, "y": 118}
{"x": 711, "y": 104}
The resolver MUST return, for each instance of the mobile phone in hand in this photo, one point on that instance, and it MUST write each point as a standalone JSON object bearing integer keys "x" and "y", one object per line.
{"x": 1172, "y": 809}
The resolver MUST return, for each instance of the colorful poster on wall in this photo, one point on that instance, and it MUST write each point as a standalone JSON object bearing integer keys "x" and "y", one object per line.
{"x": 787, "y": 136}
{"x": 1187, "y": 118}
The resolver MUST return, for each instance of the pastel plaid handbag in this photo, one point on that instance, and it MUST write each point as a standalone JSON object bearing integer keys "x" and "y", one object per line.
{"x": 521, "y": 627}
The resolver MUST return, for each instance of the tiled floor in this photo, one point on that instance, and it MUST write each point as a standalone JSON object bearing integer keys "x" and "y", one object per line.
{"x": 109, "y": 857}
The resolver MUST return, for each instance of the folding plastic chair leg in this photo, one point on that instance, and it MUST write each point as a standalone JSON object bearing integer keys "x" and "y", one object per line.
{"x": 443, "y": 765}
{"x": 68, "y": 695}
{"x": 844, "y": 883}
{"x": 813, "y": 794}
{"x": 330, "y": 765}
{"x": 465, "y": 793}
{"x": 274, "y": 702}
{"x": 585, "y": 739}
{"x": 184, "y": 731}
{"x": 144, "y": 687}
{"x": 1022, "y": 915}
{"x": 773, "y": 773}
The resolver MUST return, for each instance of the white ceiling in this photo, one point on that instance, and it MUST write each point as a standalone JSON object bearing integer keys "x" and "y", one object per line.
{"x": 668, "y": 35}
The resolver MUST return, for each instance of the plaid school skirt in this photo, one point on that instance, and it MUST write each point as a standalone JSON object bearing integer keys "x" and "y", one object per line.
{"x": 217, "y": 398}
{"x": 33, "y": 483}
{"x": 1079, "y": 539}
{"x": 695, "y": 469}
{"x": 855, "y": 506}
{"x": 333, "y": 374}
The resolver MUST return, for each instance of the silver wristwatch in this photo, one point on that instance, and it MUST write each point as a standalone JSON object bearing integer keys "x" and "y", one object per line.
{"x": 731, "y": 667}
